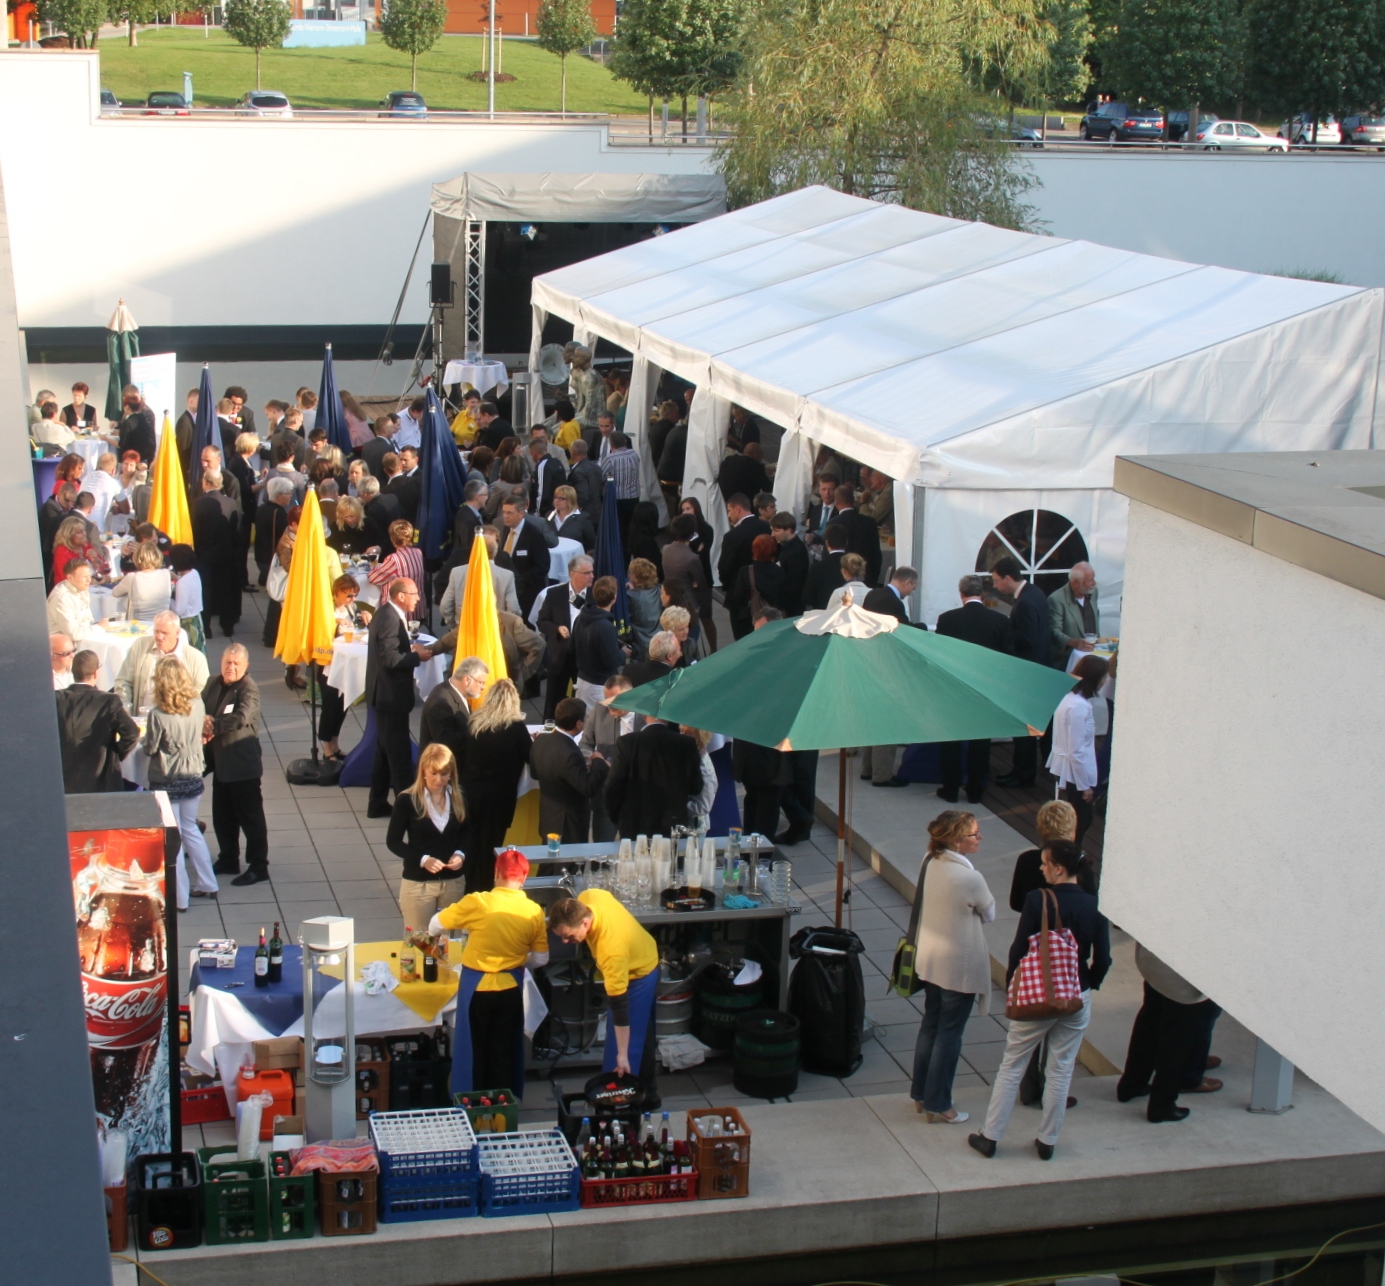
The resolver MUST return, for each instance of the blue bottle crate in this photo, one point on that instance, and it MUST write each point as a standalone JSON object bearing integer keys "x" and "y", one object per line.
{"x": 531, "y": 1172}
{"x": 412, "y": 1198}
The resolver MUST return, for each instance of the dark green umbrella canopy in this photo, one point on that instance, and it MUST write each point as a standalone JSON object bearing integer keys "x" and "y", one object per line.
{"x": 793, "y": 690}
{"x": 122, "y": 344}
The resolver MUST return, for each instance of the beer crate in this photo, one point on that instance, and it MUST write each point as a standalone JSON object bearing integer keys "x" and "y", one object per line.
{"x": 419, "y": 1074}
{"x": 435, "y": 1143}
{"x": 647, "y": 1190}
{"x": 235, "y": 1197}
{"x": 509, "y": 1111}
{"x": 530, "y": 1172}
{"x": 573, "y": 1107}
{"x": 410, "y": 1198}
{"x": 292, "y": 1200}
{"x": 722, "y": 1161}
{"x": 372, "y": 1077}
{"x": 346, "y": 1202}
{"x": 168, "y": 1201}
{"x": 205, "y": 1102}
{"x": 118, "y": 1217}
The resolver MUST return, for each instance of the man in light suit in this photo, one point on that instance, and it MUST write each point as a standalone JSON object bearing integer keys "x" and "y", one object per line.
{"x": 134, "y": 685}
{"x": 567, "y": 782}
{"x": 1073, "y": 613}
{"x": 506, "y": 598}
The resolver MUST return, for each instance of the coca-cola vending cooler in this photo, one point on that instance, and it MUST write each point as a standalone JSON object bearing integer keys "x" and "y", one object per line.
{"x": 122, "y": 849}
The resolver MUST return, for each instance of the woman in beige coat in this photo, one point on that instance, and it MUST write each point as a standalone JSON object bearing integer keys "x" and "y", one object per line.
{"x": 952, "y": 963}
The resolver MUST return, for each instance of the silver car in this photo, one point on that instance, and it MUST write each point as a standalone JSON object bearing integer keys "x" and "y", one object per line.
{"x": 265, "y": 102}
{"x": 1364, "y": 131}
{"x": 1237, "y": 136}
{"x": 1299, "y": 130}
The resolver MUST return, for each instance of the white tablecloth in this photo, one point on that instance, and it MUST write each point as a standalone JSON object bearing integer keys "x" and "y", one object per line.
{"x": 561, "y": 555}
{"x": 90, "y": 449}
{"x": 368, "y": 593}
{"x": 112, "y": 648}
{"x": 347, "y": 671}
{"x": 482, "y": 375}
{"x": 103, "y": 603}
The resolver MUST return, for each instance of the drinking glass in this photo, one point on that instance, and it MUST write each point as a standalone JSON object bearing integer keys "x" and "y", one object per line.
{"x": 781, "y": 881}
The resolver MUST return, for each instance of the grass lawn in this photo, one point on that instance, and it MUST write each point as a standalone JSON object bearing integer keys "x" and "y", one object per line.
{"x": 356, "y": 77}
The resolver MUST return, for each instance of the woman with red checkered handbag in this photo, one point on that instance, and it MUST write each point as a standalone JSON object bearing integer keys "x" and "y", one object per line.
{"x": 1061, "y": 952}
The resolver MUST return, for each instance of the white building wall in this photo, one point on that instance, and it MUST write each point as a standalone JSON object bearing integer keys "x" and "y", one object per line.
{"x": 1243, "y": 843}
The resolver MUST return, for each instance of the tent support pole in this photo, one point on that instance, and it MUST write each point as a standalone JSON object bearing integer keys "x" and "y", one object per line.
{"x": 841, "y": 830}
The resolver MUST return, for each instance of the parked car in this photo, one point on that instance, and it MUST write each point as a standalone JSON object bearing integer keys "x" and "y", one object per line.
{"x": 1238, "y": 136}
{"x": 110, "y": 104}
{"x": 265, "y": 102}
{"x": 1364, "y": 131}
{"x": 1020, "y": 135}
{"x": 165, "y": 103}
{"x": 404, "y": 102}
{"x": 1178, "y": 124}
{"x": 1299, "y": 129}
{"x": 1120, "y": 123}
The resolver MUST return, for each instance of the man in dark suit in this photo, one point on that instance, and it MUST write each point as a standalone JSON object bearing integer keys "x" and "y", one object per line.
{"x": 973, "y": 622}
{"x": 286, "y": 433}
{"x": 558, "y": 613}
{"x": 820, "y": 511}
{"x": 793, "y": 558}
{"x": 446, "y": 715}
{"x": 469, "y": 520}
{"x": 216, "y": 541}
{"x": 655, "y": 772}
{"x": 764, "y": 772}
{"x": 825, "y": 575}
{"x": 549, "y": 475}
{"x": 389, "y": 690}
{"x": 877, "y": 762}
{"x": 664, "y": 654}
{"x": 584, "y": 477}
{"x": 1033, "y": 637}
{"x": 232, "y": 702}
{"x": 375, "y": 451}
{"x": 407, "y": 485}
{"x": 567, "y": 782}
{"x": 381, "y": 509}
{"x": 50, "y": 518}
{"x": 863, "y": 536}
{"x": 184, "y": 432}
{"x": 94, "y": 731}
{"x": 743, "y": 472}
{"x": 735, "y": 545}
{"x": 523, "y": 551}
{"x": 493, "y": 430}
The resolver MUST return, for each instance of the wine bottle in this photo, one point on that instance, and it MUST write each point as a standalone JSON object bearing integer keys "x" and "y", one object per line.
{"x": 276, "y": 955}
{"x": 262, "y": 962}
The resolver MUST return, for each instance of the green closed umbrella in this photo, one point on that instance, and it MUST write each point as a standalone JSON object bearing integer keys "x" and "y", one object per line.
{"x": 122, "y": 344}
{"x": 848, "y": 677}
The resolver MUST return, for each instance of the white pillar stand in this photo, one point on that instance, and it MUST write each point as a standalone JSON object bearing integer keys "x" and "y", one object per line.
{"x": 1272, "y": 1082}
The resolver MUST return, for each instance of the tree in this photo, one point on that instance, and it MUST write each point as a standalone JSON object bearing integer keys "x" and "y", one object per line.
{"x": 879, "y": 101}
{"x": 413, "y": 27}
{"x": 565, "y": 26}
{"x": 256, "y": 24}
{"x": 1318, "y": 55}
{"x": 137, "y": 12}
{"x": 80, "y": 19}
{"x": 1177, "y": 53}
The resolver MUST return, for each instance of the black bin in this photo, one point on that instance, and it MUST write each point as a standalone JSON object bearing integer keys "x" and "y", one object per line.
{"x": 720, "y": 1002}
{"x": 767, "y": 1054}
{"x": 168, "y": 1201}
{"x": 420, "y": 1071}
{"x": 828, "y": 997}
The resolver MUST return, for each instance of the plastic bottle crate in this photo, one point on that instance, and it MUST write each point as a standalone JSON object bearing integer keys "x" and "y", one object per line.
{"x": 435, "y": 1142}
{"x": 410, "y": 1198}
{"x": 644, "y": 1191}
{"x": 722, "y": 1161}
{"x": 420, "y": 1074}
{"x": 573, "y": 1107}
{"x": 235, "y": 1197}
{"x": 509, "y": 1110}
{"x": 375, "y": 1072}
{"x": 168, "y": 1201}
{"x": 530, "y": 1172}
{"x": 292, "y": 1201}
{"x": 346, "y": 1202}
{"x": 205, "y": 1103}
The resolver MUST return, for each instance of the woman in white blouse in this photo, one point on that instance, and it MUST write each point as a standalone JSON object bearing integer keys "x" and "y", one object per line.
{"x": 148, "y": 590}
{"x": 1073, "y": 760}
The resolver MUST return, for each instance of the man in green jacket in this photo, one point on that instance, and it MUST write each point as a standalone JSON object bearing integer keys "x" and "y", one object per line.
{"x": 1073, "y": 614}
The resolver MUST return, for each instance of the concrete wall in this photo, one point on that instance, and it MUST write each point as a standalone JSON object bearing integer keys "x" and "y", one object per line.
{"x": 1277, "y": 214}
{"x": 241, "y": 222}
{"x": 1243, "y": 840}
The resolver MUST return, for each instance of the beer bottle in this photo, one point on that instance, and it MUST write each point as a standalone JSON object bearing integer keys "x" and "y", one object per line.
{"x": 262, "y": 962}
{"x": 276, "y": 955}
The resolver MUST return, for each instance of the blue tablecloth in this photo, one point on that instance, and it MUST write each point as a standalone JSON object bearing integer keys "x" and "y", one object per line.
{"x": 276, "y": 1006}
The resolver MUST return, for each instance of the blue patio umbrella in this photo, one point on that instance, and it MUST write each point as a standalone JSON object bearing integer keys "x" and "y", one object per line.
{"x": 205, "y": 431}
{"x": 330, "y": 416}
{"x": 442, "y": 480}
{"x": 610, "y": 557}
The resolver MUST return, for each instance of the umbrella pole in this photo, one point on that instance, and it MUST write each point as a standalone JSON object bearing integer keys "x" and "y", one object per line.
{"x": 841, "y": 830}
{"x": 314, "y": 676}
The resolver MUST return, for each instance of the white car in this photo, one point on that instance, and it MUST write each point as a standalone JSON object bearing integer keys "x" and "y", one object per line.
{"x": 265, "y": 102}
{"x": 1237, "y": 136}
{"x": 1299, "y": 130}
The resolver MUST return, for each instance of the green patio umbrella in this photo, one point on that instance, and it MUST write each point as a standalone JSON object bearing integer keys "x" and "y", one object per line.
{"x": 848, "y": 677}
{"x": 122, "y": 343}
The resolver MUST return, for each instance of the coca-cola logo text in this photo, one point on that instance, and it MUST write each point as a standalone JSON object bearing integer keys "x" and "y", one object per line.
{"x": 129, "y": 1014}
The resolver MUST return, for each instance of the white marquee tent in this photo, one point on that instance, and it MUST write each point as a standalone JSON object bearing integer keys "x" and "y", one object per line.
{"x": 988, "y": 372}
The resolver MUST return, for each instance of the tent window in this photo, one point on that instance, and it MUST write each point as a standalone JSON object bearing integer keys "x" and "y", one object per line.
{"x": 1045, "y": 543}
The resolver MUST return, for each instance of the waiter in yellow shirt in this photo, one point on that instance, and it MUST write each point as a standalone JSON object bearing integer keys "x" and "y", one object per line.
{"x": 506, "y": 935}
{"x": 629, "y": 962}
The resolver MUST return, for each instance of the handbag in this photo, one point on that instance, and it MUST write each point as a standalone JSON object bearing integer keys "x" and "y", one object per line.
{"x": 904, "y": 981}
{"x": 277, "y": 582}
{"x": 1047, "y": 983}
{"x": 757, "y": 604}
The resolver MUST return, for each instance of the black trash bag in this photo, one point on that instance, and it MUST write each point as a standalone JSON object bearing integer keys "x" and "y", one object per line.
{"x": 828, "y": 997}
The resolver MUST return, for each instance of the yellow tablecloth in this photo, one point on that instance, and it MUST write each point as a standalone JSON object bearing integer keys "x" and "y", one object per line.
{"x": 426, "y": 999}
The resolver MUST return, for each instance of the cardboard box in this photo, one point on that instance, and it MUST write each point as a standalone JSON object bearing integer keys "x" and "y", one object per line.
{"x": 281, "y": 1053}
{"x": 289, "y": 1133}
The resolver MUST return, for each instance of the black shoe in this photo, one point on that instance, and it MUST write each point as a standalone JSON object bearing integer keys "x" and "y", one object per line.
{"x": 226, "y": 866}
{"x": 865, "y": 776}
{"x": 379, "y": 810}
{"x": 1175, "y": 1113}
{"x": 252, "y": 876}
{"x": 652, "y": 1104}
{"x": 892, "y": 781}
{"x": 203, "y": 893}
{"x": 949, "y": 795}
{"x": 1045, "y": 1150}
{"x": 791, "y": 837}
{"x": 982, "y": 1144}
{"x": 1126, "y": 1096}
{"x": 974, "y": 798}
{"x": 1011, "y": 780}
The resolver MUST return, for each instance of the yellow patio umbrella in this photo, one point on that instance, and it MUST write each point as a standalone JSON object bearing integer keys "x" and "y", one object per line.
{"x": 168, "y": 499}
{"x": 307, "y": 626}
{"x": 478, "y": 627}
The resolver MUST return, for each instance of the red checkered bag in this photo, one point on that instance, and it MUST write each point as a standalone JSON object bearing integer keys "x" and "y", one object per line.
{"x": 1046, "y": 984}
